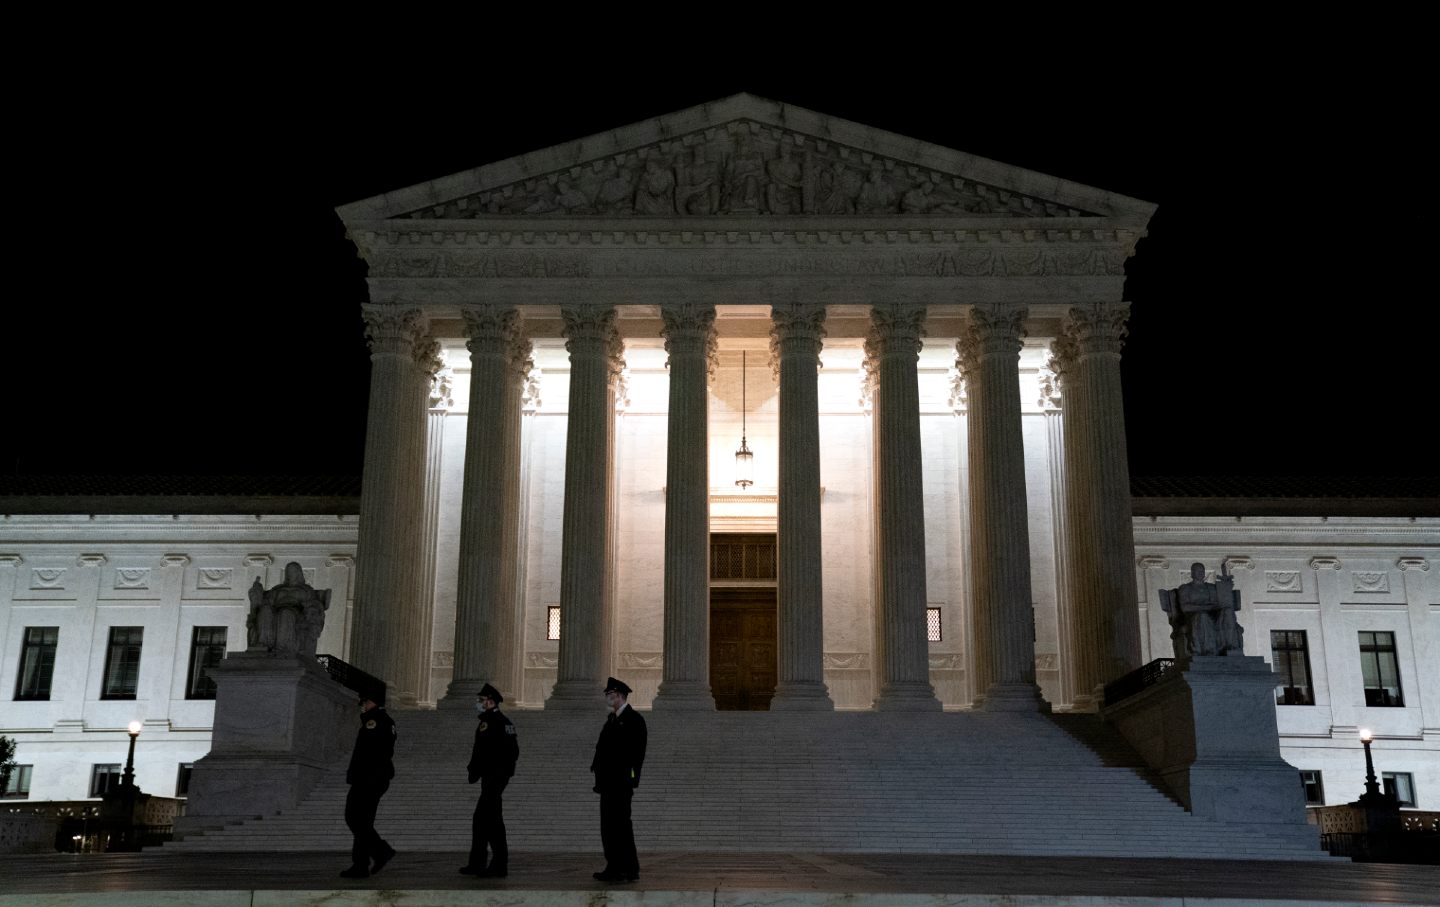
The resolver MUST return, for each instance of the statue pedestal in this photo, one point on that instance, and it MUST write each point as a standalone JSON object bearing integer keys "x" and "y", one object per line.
{"x": 1209, "y": 729}
{"x": 281, "y": 723}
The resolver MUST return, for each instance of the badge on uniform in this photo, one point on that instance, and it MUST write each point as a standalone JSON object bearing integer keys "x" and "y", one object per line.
{"x": 484, "y": 726}
{"x": 370, "y": 725}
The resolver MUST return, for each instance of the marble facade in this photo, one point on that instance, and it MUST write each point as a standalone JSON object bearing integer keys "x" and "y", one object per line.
{"x": 933, "y": 400}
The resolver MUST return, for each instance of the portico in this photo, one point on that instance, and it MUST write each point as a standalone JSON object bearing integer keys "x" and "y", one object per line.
{"x": 591, "y": 298}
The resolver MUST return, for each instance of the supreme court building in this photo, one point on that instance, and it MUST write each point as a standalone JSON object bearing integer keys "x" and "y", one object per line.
{"x": 918, "y": 348}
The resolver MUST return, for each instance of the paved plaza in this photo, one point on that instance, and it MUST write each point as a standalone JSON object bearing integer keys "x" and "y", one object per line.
{"x": 199, "y": 880}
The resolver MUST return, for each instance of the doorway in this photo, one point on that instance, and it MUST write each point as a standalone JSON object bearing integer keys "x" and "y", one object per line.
{"x": 743, "y": 666}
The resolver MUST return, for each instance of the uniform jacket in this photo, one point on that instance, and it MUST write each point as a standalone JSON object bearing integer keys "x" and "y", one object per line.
{"x": 620, "y": 752}
{"x": 370, "y": 761}
{"x": 496, "y": 747}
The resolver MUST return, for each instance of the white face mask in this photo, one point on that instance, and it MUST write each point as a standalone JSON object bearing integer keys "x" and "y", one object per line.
{"x": 479, "y": 708}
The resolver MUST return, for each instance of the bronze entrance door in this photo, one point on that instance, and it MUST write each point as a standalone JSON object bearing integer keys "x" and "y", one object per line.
{"x": 742, "y": 621}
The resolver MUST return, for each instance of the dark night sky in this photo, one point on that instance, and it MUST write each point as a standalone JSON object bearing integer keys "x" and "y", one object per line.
{"x": 193, "y": 306}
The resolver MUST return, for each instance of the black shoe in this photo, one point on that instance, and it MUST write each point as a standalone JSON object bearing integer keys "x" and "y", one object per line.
{"x": 381, "y": 860}
{"x": 632, "y": 876}
{"x": 607, "y": 876}
{"x": 472, "y": 870}
{"x": 354, "y": 872}
{"x": 494, "y": 872}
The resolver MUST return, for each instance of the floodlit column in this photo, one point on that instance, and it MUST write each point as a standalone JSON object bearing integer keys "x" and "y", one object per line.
{"x": 690, "y": 340}
{"x": 485, "y": 630}
{"x": 999, "y": 533}
{"x": 796, "y": 334}
{"x": 440, "y": 400}
{"x": 1105, "y": 625}
{"x": 892, "y": 352}
{"x": 388, "y": 552}
{"x": 594, "y": 347}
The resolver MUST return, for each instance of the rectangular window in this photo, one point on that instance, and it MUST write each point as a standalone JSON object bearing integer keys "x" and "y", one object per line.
{"x": 104, "y": 777}
{"x": 932, "y": 624}
{"x": 122, "y": 663}
{"x": 1402, "y": 785}
{"x": 552, "y": 622}
{"x": 1290, "y": 656}
{"x": 37, "y": 662}
{"x": 182, "y": 779}
{"x": 1380, "y": 669}
{"x": 207, "y": 649}
{"x": 19, "y": 786}
{"x": 1314, "y": 787}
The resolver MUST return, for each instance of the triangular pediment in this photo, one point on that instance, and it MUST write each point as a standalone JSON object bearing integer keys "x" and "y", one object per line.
{"x": 746, "y": 157}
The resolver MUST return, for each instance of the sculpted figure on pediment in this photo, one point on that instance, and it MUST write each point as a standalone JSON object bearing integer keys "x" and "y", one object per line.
{"x": 616, "y": 193}
{"x": 655, "y": 193}
{"x": 699, "y": 190}
{"x": 571, "y": 199}
{"x": 837, "y": 189}
{"x": 786, "y": 190}
{"x": 877, "y": 196}
{"x": 926, "y": 197}
{"x": 744, "y": 174}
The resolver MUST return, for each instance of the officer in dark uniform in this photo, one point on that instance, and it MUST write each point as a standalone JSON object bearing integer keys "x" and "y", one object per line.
{"x": 369, "y": 777}
{"x": 492, "y": 763}
{"x": 618, "y": 757}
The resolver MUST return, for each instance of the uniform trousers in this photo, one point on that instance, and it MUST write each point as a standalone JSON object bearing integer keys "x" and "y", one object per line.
{"x": 360, "y": 806}
{"x": 488, "y": 825}
{"x": 617, "y": 835}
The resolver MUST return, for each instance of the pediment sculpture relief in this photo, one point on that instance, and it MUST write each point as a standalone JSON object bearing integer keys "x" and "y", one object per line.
{"x": 745, "y": 169}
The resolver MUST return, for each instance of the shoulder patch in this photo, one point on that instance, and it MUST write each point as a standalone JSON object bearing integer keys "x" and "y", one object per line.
{"x": 370, "y": 725}
{"x": 510, "y": 729}
{"x": 484, "y": 726}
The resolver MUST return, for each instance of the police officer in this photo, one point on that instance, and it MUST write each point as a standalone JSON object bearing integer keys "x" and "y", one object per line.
{"x": 369, "y": 777}
{"x": 492, "y": 763}
{"x": 618, "y": 757}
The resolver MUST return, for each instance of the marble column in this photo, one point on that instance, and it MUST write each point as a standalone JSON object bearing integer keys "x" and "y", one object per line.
{"x": 796, "y": 333}
{"x": 690, "y": 340}
{"x": 440, "y": 401}
{"x": 999, "y": 532}
{"x": 389, "y": 561}
{"x": 1052, "y": 403}
{"x": 903, "y": 650}
{"x": 1105, "y": 626}
{"x": 485, "y": 630}
{"x": 594, "y": 349}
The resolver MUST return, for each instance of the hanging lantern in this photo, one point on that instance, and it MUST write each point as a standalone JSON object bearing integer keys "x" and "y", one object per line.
{"x": 744, "y": 459}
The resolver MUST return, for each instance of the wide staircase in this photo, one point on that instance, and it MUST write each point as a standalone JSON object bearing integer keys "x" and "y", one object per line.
{"x": 960, "y": 782}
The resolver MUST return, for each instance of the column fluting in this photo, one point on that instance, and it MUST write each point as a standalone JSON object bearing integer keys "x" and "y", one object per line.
{"x": 797, "y": 332}
{"x": 689, "y": 332}
{"x": 892, "y": 353}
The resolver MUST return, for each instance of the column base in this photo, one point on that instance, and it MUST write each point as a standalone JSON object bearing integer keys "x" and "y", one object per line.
{"x": 1015, "y": 697}
{"x": 683, "y": 696}
{"x": 460, "y": 695}
{"x": 907, "y": 697}
{"x": 1088, "y": 702}
{"x": 802, "y": 696}
{"x": 577, "y": 696}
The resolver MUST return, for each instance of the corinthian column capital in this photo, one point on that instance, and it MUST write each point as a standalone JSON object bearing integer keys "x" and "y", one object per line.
{"x": 689, "y": 328}
{"x": 491, "y": 329}
{"x": 393, "y": 331}
{"x": 994, "y": 330}
{"x": 896, "y": 329}
{"x": 1097, "y": 327}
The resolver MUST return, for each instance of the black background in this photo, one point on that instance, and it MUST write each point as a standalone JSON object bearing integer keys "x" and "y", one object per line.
{"x": 183, "y": 300}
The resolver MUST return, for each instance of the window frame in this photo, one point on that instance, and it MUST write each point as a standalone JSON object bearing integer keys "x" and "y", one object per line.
{"x": 1282, "y": 690}
{"x": 1318, "y": 782}
{"x": 183, "y": 775}
{"x": 111, "y": 685}
{"x": 98, "y": 790}
{"x": 1376, "y": 649}
{"x": 29, "y": 653}
{"x": 199, "y": 671}
{"x": 1394, "y": 787}
{"x": 20, "y": 778}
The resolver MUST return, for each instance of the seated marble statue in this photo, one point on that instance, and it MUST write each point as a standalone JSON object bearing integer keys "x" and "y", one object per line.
{"x": 288, "y": 618}
{"x": 1202, "y": 615}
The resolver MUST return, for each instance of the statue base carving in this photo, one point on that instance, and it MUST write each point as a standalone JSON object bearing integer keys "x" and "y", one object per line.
{"x": 281, "y": 724}
{"x": 1209, "y": 730}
